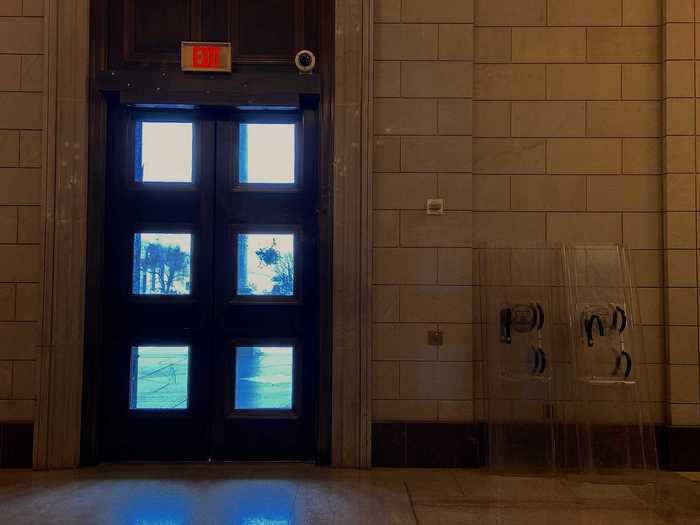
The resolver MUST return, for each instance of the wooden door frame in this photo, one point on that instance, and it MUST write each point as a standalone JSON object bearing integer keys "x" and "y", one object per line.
{"x": 72, "y": 115}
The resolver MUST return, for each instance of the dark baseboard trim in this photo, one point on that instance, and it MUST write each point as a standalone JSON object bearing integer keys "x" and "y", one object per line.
{"x": 16, "y": 445}
{"x": 679, "y": 448}
{"x": 427, "y": 445}
{"x": 463, "y": 445}
{"x": 420, "y": 445}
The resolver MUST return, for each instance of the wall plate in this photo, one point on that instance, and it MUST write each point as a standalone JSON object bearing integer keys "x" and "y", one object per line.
{"x": 435, "y": 338}
{"x": 435, "y": 207}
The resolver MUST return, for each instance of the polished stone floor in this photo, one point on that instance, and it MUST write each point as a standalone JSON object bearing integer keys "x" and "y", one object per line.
{"x": 285, "y": 494}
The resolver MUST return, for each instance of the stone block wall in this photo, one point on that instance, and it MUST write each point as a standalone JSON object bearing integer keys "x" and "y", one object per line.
{"x": 21, "y": 155}
{"x": 563, "y": 129}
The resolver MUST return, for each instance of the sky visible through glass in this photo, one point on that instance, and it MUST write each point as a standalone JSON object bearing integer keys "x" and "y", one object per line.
{"x": 265, "y": 264}
{"x": 162, "y": 263}
{"x": 264, "y": 377}
{"x": 166, "y": 152}
{"x": 267, "y": 153}
{"x": 159, "y": 377}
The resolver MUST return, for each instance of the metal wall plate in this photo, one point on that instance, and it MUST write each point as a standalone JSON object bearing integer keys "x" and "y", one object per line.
{"x": 435, "y": 206}
{"x": 435, "y": 338}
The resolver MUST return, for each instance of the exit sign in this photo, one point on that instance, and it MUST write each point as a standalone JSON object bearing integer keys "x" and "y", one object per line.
{"x": 208, "y": 57}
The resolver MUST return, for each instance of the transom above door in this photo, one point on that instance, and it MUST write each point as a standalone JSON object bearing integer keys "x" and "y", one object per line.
{"x": 211, "y": 336}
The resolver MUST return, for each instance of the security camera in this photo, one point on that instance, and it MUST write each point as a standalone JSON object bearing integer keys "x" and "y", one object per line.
{"x": 305, "y": 61}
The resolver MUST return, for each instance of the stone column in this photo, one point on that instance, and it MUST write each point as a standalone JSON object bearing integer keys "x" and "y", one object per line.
{"x": 58, "y": 423}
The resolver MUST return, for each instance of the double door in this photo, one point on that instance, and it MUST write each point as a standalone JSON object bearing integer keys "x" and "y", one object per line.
{"x": 211, "y": 310}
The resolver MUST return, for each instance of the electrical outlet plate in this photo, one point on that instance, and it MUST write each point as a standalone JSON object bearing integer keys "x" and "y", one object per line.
{"x": 435, "y": 206}
{"x": 435, "y": 338}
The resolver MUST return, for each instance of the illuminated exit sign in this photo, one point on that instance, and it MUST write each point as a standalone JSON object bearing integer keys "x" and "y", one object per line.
{"x": 208, "y": 57}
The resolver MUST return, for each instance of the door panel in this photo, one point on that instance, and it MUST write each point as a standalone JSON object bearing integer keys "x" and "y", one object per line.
{"x": 211, "y": 285}
{"x": 157, "y": 292}
{"x": 267, "y": 289}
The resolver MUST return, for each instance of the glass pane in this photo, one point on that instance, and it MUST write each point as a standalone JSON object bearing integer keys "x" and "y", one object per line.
{"x": 159, "y": 377}
{"x": 264, "y": 377}
{"x": 266, "y": 264}
{"x": 162, "y": 263}
{"x": 164, "y": 151}
{"x": 266, "y": 154}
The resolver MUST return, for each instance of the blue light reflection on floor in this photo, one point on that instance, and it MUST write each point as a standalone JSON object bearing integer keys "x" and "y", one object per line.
{"x": 157, "y": 509}
{"x": 256, "y": 502}
{"x": 264, "y": 377}
{"x": 248, "y": 502}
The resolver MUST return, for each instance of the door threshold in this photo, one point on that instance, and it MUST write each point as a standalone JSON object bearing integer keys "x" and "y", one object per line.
{"x": 204, "y": 462}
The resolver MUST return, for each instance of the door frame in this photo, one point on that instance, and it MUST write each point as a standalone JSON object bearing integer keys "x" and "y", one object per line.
{"x": 74, "y": 152}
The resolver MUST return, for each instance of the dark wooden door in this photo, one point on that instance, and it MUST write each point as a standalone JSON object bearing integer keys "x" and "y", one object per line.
{"x": 266, "y": 285}
{"x": 211, "y": 285}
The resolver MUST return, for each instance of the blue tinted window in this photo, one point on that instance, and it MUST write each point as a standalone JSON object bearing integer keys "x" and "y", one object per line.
{"x": 164, "y": 151}
{"x": 264, "y": 377}
{"x": 266, "y": 154}
{"x": 265, "y": 264}
{"x": 162, "y": 263}
{"x": 159, "y": 377}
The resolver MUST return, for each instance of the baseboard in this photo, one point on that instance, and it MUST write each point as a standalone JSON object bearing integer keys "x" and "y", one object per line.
{"x": 16, "y": 445}
{"x": 464, "y": 445}
{"x": 679, "y": 448}
{"x": 427, "y": 445}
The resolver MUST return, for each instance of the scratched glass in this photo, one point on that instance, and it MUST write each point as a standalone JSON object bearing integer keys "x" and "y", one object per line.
{"x": 159, "y": 378}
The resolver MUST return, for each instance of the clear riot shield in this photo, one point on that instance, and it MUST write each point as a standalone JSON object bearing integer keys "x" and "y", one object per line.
{"x": 610, "y": 411}
{"x": 516, "y": 318}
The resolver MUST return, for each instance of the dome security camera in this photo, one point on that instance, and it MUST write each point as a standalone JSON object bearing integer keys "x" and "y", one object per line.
{"x": 305, "y": 61}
